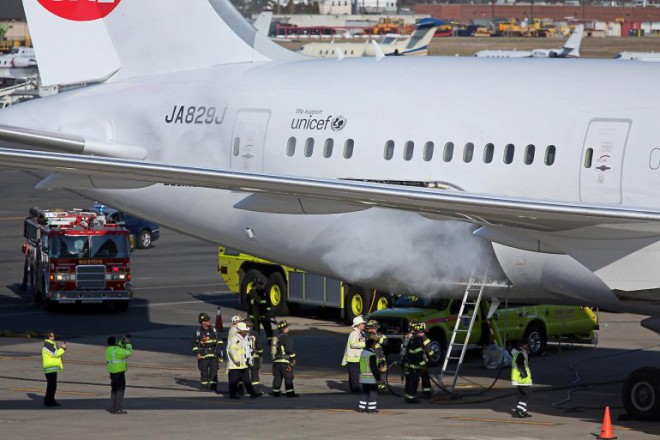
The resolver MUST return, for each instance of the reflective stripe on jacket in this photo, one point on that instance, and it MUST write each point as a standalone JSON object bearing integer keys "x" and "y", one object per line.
{"x": 367, "y": 365}
{"x": 354, "y": 347}
{"x": 518, "y": 364}
{"x": 206, "y": 343}
{"x": 115, "y": 358}
{"x": 236, "y": 353}
{"x": 51, "y": 357}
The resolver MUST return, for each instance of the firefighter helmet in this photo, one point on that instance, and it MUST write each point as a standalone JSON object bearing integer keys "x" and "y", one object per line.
{"x": 372, "y": 323}
{"x": 203, "y": 317}
{"x": 282, "y": 325}
{"x": 242, "y": 327}
{"x": 417, "y": 326}
{"x": 236, "y": 318}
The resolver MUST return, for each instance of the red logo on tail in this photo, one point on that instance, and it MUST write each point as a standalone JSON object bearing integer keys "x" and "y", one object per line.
{"x": 80, "y": 10}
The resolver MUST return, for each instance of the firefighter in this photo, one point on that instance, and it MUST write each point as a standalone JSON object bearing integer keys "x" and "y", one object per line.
{"x": 369, "y": 378}
{"x": 415, "y": 353}
{"x": 51, "y": 357}
{"x": 284, "y": 360}
{"x": 259, "y": 309}
{"x": 116, "y": 364}
{"x": 257, "y": 354}
{"x": 371, "y": 333}
{"x": 354, "y": 347}
{"x": 521, "y": 377}
{"x": 239, "y": 356}
{"x": 208, "y": 348}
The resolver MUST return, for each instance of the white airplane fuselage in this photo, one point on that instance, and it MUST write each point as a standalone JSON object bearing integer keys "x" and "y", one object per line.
{"x": 265, "y": 105}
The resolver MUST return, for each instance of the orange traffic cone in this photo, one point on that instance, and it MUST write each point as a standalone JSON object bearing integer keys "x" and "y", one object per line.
{"x": 606, "y": 431}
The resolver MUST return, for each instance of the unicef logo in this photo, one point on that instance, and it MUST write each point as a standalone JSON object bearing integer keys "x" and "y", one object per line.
{"x": 338, "y": 123}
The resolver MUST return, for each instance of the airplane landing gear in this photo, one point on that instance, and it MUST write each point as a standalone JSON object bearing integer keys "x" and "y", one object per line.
{"x": 641, "y": 394}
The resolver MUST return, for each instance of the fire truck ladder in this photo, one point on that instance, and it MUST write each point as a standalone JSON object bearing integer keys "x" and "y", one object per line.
{"x": 467, "y": 313}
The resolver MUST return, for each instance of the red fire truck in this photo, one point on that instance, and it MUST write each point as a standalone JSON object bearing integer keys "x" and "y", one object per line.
{"x": 77, "y": 256}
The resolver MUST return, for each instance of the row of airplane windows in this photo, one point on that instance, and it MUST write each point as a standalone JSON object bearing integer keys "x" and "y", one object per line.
{"x": 488, "y": 156}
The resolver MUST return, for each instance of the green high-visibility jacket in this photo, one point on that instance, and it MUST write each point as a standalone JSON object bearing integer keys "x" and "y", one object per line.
{"x": 115, "y": 357}
{"x": 519, "y": 363}
{"x": 51, "y": 357}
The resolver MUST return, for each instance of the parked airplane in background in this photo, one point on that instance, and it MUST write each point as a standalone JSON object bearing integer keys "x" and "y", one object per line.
{"x": 639, "y": 56}
{"x": 19, "y": 57}
{"x": 571, "y": 49}
{"x": 307, "y": 162}
{"x": 393, "y": 44}
{"x": 19, "y": 64}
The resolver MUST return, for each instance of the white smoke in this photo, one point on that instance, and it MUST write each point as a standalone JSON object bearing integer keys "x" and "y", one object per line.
{"x": 403, "y": 252}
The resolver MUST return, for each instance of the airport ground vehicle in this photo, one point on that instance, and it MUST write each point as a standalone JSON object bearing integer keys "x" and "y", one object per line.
{"x": 143, "y": 232}
{"x": 538, "y": 323}
{"x": 289, "y": 287}
{"x": 76, "y": 256}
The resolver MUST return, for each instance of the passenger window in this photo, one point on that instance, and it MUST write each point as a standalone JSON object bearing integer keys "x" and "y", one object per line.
{"x": 468, "y": 152}
{"x": 291, "y": 146}
{"x": 509, "y": 150}
{"x": 550, "y": 155}
{"x": 489, "y": 151}
{"x": 389, "y": 150}
{"x": 588, "y": 158}
{"x": 237, "y": 145}
{"x": 428, "y": 151}
{"x": 408, "y": 150}
{"x": 348, "y": 148}
{"x": 529, "y": 154}
{"x": 449, "y": 152}
{"x": 309, "y": 147}
{"x": 327, "y": 148}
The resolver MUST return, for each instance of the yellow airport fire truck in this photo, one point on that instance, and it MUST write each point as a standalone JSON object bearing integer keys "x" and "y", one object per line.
{"x": 288, "y": 288}
{"x": 77, "y": 256}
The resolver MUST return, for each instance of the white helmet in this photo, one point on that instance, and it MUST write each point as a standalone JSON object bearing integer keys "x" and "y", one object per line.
{"x": 358, "y": 320}
{"x": 235, "y": 319}
{"x": 242, "y": 327}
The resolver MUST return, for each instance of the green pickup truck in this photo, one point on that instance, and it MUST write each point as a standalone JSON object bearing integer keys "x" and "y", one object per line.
{"x": 538, "y": 323}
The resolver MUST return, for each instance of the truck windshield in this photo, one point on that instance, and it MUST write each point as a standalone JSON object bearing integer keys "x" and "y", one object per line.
{"x": 102, "y": 246}
{"x": 422, "y": 301}
{"x": 64, "y": 246}
{"x": 109, "y": 246}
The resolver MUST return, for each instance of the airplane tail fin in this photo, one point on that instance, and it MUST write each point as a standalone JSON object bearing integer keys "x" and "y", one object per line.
{"x": 262, "y": 23}
{"x": 572, "y": 46}
{"x": 93, "y": 40}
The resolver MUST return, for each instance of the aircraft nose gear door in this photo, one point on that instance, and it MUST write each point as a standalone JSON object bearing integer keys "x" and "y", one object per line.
{"x": 248, "y": 137}
{"x": 602, "y": 160}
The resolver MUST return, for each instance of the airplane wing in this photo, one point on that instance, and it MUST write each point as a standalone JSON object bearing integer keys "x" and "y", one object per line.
{"x": 493, "y": 211}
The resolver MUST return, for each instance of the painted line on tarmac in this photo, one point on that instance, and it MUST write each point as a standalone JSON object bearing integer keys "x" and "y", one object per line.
{"x": 39, "y": 390}
{"x": 11, "y": 219}
{"x": 81, "y": 362}
{"x": 384, "y": 412}
{"x": 514, "y": 422}
{"x": 144, "y": 306}
{"x": 183, "y": 286}
{"x": 218, "y": 401}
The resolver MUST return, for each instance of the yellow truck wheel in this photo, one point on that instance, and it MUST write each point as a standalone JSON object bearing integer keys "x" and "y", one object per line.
{"x": 277, "y": 294}
{"x": 355, "y": 303}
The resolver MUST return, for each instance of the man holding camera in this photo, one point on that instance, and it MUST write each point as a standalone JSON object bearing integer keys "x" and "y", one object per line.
{"x": 115, "y": 359}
